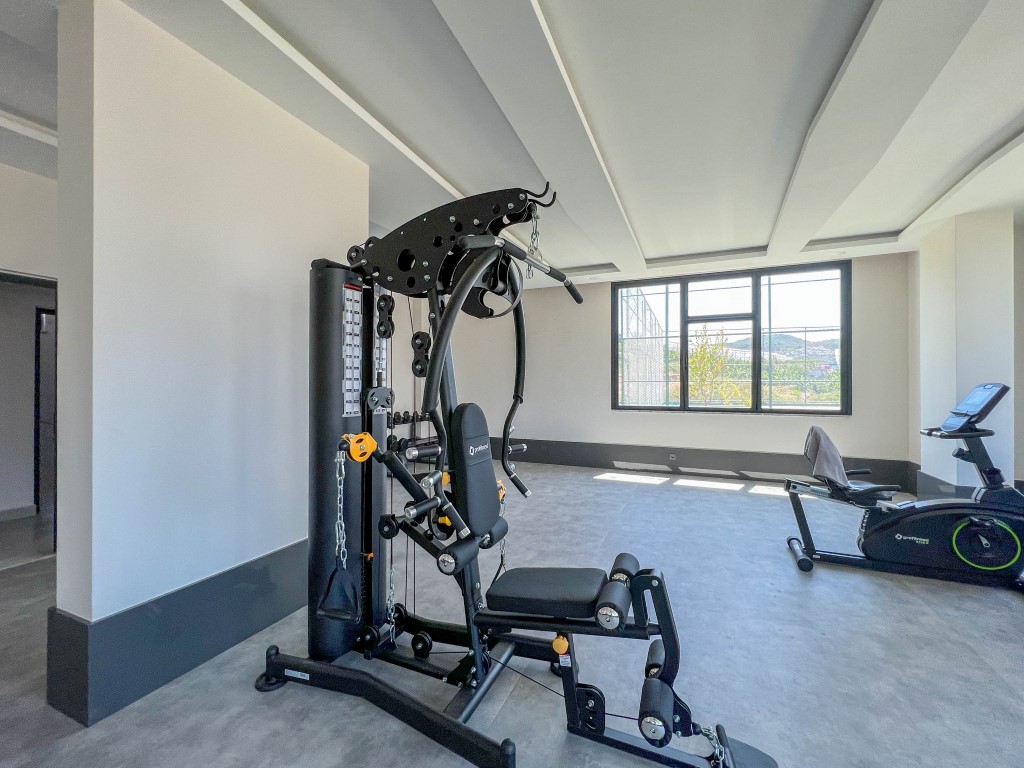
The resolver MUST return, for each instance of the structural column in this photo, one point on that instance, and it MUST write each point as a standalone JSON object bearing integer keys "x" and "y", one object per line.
{"x": 968, "y": 284}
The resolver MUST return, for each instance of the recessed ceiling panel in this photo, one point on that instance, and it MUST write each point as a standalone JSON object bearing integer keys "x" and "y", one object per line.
{"x": 700, "y": 108}
{"x": 975, "y": 105}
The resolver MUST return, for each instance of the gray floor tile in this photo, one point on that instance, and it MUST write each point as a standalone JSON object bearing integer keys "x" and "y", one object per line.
{"x": 837, "y": 668}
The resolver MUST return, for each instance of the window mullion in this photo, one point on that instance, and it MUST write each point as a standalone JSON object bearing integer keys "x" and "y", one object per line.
{"x": 755, "y": 345}
{"x": 684, "y": 345}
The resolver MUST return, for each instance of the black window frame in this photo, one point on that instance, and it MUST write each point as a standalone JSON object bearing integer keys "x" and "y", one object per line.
{"x": 683, "y": 281}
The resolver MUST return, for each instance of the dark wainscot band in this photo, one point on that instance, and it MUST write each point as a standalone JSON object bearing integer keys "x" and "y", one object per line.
{"x": 95, "y": 668}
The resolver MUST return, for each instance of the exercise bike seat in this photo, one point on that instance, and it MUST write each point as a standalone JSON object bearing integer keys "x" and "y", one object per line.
{"x": 858, "y": 491}
{"x": 828, "y": 467}
{"x": 564, "y": 593}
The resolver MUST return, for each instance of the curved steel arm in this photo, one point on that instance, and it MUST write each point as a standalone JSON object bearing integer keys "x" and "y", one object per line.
{"x": 519, "y": 320}
{"x": 432, "y": 383}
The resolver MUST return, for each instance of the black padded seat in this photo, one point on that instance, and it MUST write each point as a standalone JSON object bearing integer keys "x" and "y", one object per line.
{"x": 565, "y": 593}
{"x": 861, "y": 491}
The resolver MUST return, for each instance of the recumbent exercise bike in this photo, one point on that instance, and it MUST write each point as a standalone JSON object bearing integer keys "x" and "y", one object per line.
{"x": 976, "y": 540}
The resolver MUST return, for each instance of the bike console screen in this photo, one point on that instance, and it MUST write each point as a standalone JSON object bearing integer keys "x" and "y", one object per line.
{"x": 975, "y": 407}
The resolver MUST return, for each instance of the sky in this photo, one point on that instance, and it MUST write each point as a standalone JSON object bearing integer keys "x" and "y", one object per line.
{"x": 795, "y": 301}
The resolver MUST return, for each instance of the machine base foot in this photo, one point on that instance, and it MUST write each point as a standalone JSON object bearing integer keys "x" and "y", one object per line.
{"x": 803, "y": 562}
{"x": 265, "y": 683}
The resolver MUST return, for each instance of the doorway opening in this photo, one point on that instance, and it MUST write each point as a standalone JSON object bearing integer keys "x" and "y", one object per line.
{"x": 45, "y": 427}
{"x": 28, "y": 413}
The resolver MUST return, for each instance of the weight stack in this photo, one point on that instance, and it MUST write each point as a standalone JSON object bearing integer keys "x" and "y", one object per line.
{"x": 340, "y": 331}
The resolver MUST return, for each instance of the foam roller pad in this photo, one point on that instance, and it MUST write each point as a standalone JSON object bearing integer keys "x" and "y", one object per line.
{"x": 614, "y": 595}
{"x": 656, "y": 700}
{"x": 655, "y": 658}
{"x": 464, "y": 551}
{"x": 496, "y": 534}
{"x": 625, "y": 564}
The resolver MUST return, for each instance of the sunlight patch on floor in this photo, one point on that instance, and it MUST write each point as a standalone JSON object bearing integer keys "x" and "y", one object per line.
{"x": 718, "y": 485}
{"x": 768, "y": 490}
{"x": 631, "y": 478}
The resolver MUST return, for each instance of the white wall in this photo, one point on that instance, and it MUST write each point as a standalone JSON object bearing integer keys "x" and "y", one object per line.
{"x": 568, "y": 389}
{"x": 984, "y": 327}
{"x": 967, "y": 332}
{"x": 74, "y": 292}
{"x": 28, "y": 222}
{"x": 209, "y": 203}
{"x": 938, "y": 385}
{"x": 914, "y": 356}
{"x": 18, "y": 305}
{"x": 1018, "y": 341}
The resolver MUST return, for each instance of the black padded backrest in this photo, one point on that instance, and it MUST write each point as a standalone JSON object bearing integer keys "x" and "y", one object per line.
{"x": 474, "y": 484}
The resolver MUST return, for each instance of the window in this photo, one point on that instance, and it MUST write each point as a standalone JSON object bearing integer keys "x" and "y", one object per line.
{"x": 771, "y": 341}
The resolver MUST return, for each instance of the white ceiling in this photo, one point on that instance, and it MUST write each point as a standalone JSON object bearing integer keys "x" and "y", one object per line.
{"x": 28, "y": 84}
{"x": 700, "y": 108}
{"x": 678, "y": 134}
{"x": 974, "y": 106}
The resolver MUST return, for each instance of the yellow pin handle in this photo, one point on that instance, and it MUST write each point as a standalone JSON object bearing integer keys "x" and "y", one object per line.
{"x": 501, "y": 490}
{"x": 560, "y": 645}
{"x": 361, "y": 446}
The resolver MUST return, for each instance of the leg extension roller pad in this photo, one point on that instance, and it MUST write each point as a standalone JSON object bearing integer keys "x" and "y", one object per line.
{"x": 624, "y": 568}
{"x": 655, "y": 658}
{"x": 656, "y": 707}
{"x": 457, "y": 556}
{"x": 613, "y": 605}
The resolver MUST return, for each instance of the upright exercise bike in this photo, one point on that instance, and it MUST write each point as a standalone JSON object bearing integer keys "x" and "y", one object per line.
{"x": 975, "y": 540}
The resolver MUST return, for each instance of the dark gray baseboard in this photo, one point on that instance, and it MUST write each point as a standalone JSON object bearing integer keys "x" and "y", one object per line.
{"x": 744, "y": 465}
{"x": 94, "y": 668}
{"x": 16, "y": 513}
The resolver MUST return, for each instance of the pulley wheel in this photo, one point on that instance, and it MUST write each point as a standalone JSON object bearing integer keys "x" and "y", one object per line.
{"x": 421, "y": 645}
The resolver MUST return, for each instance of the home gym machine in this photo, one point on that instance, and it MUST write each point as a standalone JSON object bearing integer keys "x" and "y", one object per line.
{"x": 976, "y": 540}
{"x": 454, "y": 256}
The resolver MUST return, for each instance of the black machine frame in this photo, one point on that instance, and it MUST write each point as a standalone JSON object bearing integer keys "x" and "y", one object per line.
{"x": 350, "y": 310}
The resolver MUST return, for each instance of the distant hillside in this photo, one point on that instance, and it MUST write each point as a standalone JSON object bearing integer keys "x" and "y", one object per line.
{"x": 787, "y": 344}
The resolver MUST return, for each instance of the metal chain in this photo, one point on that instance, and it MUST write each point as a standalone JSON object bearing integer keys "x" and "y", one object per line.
{"x": 390, "y": 610}
{"x": 534, "y": 242}
{"x": 340, "y": 537}
{"x": 502, "y": 563}
{"x": 717, "y": 757}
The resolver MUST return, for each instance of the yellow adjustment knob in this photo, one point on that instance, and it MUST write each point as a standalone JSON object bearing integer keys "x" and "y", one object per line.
{"x": 446, "y": 478}
{"x": 501, "y": 490}
{"x": 361, "y": 446}
{"x": 443, "y": 520}
{"x": 560, "y": 645}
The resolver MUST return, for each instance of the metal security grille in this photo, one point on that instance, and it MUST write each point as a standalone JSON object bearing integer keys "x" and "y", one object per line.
{"x": 649, "y": 346}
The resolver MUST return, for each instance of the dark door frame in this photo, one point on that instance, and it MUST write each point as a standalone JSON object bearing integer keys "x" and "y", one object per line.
{"x": 40, "y": 311}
